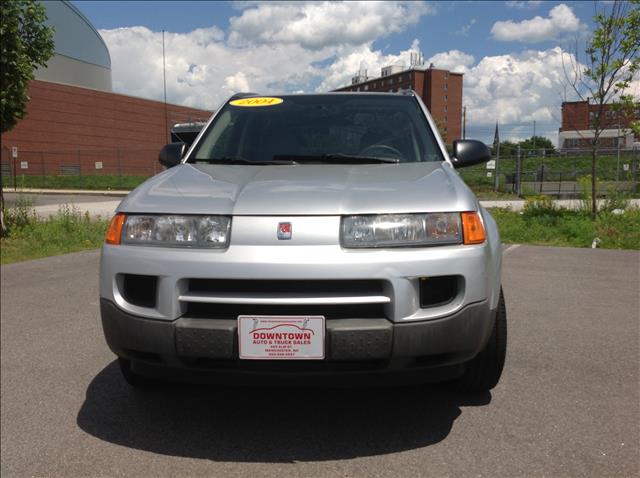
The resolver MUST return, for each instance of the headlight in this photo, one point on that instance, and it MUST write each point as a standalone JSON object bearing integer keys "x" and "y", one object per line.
{"x": 177, "y": 231}
{"x": 395, "y": 230}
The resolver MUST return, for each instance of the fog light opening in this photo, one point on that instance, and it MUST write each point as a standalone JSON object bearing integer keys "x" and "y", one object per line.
{"x": 435, "y": 291}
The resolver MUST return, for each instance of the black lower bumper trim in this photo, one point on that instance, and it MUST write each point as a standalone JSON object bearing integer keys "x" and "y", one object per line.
{"x": 372, "y": 343}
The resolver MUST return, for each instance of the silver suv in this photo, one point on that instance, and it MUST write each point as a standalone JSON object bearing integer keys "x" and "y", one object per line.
{"x": 319, "y": 235}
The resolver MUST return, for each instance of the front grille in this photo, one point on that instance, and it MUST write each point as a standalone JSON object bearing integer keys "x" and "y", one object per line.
{"x": 334, "y": 299}
{"x": 364, "y": 287}
{"x": 232, "y": 311}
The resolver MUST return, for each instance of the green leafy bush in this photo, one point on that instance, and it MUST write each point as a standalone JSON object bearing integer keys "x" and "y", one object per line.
{"x": 564, "y": 227}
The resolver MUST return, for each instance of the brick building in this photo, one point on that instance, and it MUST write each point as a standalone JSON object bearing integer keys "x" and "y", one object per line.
{"x": 74, "y": 123}
{"x": 576, "y": 131}
{"x": 74, "y": 130}
{"x": 441, "y": 91}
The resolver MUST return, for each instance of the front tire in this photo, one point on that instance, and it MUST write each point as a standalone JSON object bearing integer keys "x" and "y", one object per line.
{"x": 483, "y": 372}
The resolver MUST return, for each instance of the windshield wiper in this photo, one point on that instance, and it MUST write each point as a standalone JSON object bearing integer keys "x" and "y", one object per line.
{"x": 335, "y": 158}
{"x": 239, "y": 160}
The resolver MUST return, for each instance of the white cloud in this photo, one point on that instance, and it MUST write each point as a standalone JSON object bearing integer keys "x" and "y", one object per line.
{"x": 270, "y": 47}
{"x": 464, "y": 30}
{"x": 452, "y": 60}
{"x": 339, "y": 73}
{"x": 523, "y": 4}
{"x": 561, "y": 21}
{"x": 318, "y": 25}
{"x": 516, "y": 89}
{"x": 204, "y": 66}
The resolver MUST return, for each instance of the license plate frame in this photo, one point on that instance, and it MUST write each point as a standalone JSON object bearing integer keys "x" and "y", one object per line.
{"x": 281, "y": 337}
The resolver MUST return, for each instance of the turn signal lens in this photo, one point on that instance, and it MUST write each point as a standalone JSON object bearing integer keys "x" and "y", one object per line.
{"x": 472, "y": 228}
{"x": 114, "y": 231}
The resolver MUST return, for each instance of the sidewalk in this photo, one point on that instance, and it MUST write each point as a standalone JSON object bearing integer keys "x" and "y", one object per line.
{"x": 79, "y": 192}
{"x": 103, "y": 210}
{"x": 106, "y": 209}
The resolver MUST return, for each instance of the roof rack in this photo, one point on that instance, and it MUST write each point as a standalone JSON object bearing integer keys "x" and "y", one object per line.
{"x": 238, "y": 96}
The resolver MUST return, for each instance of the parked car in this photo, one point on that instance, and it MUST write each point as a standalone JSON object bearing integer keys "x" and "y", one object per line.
{"x": 316, "y": 235}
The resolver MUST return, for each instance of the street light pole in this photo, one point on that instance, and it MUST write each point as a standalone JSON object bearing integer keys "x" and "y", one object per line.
{"x": 618, "y": 161}
{"x": 534, "y": 137}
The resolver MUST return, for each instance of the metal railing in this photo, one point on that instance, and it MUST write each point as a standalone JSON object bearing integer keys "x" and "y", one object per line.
{"x": 92, "y": 168}
{"x": 542, "y": 172}
{"x": 556, "y": 174}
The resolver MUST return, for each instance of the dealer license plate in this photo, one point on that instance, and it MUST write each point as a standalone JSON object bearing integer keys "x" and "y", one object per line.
{"x": 267, "y": 337}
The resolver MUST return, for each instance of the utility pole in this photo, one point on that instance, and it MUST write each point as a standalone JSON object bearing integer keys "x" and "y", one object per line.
{"x": 464, "y": 122}
{"x": 164, "y": 76}
{"x": 518, "y": 174}
{"x": 534, "y": 137}
{"x": 618, "y": 161}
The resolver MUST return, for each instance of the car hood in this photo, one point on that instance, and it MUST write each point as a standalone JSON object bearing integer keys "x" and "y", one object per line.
{"x": 303, "y": 189}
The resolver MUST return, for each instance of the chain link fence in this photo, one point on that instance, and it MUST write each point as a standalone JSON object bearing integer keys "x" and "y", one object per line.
{"x": 77, "y": 169}
{"x": 556, "y": 174}
{"x": 545, "y": 172}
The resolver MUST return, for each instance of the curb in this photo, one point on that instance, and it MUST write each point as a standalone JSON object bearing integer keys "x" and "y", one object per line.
{"x": 72, "y": 192}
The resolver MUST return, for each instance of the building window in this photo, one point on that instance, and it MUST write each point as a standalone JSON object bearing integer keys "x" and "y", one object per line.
{"x": 571, "y": 143}
{"x": 445, "y": 97}
{"x": 445, "y": 108}
{"x": 400, "y": 79}
{"x": 366, "y": 87}
{"x": 445, "y": 119}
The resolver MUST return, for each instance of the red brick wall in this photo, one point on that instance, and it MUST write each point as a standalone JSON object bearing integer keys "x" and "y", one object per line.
{"x": 72, "y": 126}
{"x": 575, "y": 116}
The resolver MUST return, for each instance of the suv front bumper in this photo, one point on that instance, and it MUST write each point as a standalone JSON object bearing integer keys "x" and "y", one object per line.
{"x": 352, "y": 345}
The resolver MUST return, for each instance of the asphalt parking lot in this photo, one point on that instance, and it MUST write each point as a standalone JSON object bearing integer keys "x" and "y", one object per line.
{"x": 568, "y": 403}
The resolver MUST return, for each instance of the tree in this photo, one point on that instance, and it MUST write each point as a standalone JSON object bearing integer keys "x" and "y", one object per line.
{"x": 610, "y": 63}
{"x": 537, "y": 143}
{"x": 442, "y": 129}
{"x": 25, "y": 43}
{"x": 508, "y": 148}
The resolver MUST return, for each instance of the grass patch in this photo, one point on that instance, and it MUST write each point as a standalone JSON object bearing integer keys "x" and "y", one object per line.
{"x": 485, "y": 194}
{"x": 101, "y": 182}
{"x": 30, "y": 237}
{"x": 542, "y": 223}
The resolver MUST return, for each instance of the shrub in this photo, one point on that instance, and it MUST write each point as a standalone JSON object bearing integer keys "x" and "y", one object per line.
{"x": 20, "y": 215}
{"x": 537, "y": 206}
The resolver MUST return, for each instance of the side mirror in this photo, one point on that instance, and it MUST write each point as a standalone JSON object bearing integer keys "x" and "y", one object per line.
{"x": 171, "y": 154}
{"x": 467, "y": 152}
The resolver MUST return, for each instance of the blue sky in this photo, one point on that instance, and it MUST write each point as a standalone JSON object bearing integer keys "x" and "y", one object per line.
{"x": 510, "y": 52}
{"x": 443, "y": 34}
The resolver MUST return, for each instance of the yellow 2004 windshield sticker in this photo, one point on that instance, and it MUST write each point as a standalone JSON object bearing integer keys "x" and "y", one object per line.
{"x": 257, "y": 101}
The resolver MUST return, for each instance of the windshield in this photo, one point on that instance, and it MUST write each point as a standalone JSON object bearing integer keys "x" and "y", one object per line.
{"x": 357, "y": 128}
